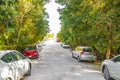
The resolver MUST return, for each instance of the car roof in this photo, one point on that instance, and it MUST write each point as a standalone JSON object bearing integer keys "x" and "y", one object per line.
{"x": 3, "y": 52}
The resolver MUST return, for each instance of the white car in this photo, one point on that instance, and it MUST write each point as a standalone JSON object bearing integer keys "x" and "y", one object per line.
{"x": 39, "y": 46}
{"x": 64, "y": 45}
{"x": 84, "y": 53}
{"x": 111, "y": 68}
{"x": 13, "y": 65}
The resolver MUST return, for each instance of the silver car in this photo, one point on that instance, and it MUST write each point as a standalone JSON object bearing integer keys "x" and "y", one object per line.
{"x": 84, "y": 53}
{"x": 111, "y": 68}
{"x": 64, "y": 45}
{"x": 13, "y": 65}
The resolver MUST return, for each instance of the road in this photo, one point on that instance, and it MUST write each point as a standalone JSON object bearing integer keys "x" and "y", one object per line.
{"x": 56, "y": 63}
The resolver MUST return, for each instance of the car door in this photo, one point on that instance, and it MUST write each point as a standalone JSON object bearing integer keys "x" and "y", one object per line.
{"x": 116, "y": 67}
{"x": 9, "y": 61}
{"x": 23, "y": 61}
{"x": 19, "y": 62}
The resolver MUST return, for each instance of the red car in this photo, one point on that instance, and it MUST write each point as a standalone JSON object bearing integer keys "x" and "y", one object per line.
{"x": 57, "y": 40}
{"x": 31, "y": 52}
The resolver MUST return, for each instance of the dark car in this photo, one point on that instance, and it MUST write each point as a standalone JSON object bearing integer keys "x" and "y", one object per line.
{"x": 31, "y": 52}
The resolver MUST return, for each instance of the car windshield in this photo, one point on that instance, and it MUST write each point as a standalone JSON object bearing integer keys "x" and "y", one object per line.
{"x": 88, "y": 49}
{"x": 31, "y": 47}
{"x": 65, "y": 43}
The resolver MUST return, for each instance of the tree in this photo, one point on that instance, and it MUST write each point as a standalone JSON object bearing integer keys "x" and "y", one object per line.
{"x": 22, "y": 22}
{"x": 91, "y": 22}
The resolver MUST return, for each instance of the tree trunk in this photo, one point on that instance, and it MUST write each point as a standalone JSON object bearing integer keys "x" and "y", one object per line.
{"x": 108, "y": 54}
{"x": 21, "y": 23}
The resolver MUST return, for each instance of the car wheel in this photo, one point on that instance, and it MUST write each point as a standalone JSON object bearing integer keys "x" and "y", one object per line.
{"x": 106, "y": 74}
{"x": 21, "y": 79}
{"x": 8, "y": 78}
{"x": 29, "y": 71}
{"x": 78, "y": 58}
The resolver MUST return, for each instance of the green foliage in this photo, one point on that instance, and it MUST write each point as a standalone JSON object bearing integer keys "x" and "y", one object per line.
{"x": 22, "y": 22}
{"x": 91, "y": 22}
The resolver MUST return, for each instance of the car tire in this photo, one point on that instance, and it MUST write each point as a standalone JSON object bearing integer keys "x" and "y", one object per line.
{"x": 21, "y": 78}
{"x": 29, "y": 71}
{"x": 78, "y": 59}
{"x": 8, "y": 78}
{"x": 106, "y": 73}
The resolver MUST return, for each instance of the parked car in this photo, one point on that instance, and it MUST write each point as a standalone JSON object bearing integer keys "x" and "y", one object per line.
{"x": 84, "y": 53}
{"x": 65, "y": 45}
{"x": 39, "y": 46}
{"x": 57, "y": 40}
{"x": 31, "y": 51}
{"x": 13, "y": 65}
{"x": 111, "y": 68}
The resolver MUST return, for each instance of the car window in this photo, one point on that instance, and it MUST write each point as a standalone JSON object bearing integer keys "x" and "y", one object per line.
{"x": 117, "y": 59}
{"x": 31, "y": 47}
{"x": 7, "y": 58}
{"x": 20, "y": 55}
{"x": 88, "y": 49}
{"x": 17, "y": 55}
{"x": 65, "y": 44}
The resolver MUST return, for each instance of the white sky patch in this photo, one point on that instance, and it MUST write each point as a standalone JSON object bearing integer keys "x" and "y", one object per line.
{"x": 54, "y": 22}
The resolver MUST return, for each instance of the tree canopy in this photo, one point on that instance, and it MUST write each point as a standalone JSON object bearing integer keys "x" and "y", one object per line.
{"x": 92, "y": 23}
{"x": 22, "y": 22}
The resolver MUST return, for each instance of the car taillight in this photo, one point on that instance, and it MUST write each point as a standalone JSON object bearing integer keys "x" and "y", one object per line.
{"x": 82, "y": 52}
{"x": 25, "y": 53}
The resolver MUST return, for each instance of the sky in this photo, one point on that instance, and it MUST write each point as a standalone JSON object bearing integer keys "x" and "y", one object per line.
{"x": 54, "y": 22}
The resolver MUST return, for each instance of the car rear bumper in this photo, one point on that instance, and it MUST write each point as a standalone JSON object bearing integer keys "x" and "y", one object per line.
{"x": 91, "y": 58}
{"x": 32, "y": 57}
